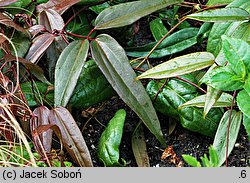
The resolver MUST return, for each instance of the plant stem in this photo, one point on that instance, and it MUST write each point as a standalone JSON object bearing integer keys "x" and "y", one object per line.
{"x": 160, "y": 41}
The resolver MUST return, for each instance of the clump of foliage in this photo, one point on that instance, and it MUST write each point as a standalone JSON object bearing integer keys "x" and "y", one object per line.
{"x": 56, "y": 55}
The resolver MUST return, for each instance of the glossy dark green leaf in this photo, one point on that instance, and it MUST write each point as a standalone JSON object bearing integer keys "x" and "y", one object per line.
{"x": 113, "y": 62}
{"x": 139, "y": 147}
{"x": 243, "y": 99}
{"x": 71, "y": 136}
{"x": 109, "y": 142}
{"x": 68, "y": 70}
{"x": 246, "y": 123}
{"x": 162, "y": 52}
{"x": 223, "y": 78}
{"x": 180, "y": 65}
{"x": 157, "y": 28}
{"x": 220, "y": 139}
{"x": 92, "y": 87}
{"x": 173, "y": 95}
{"x": 192, "y": 161}
{"x": 221, "y": 15}
{"x": 88, "y": 2}
{"x": 127, "y": 13}
{"x": 217, "y": 2}
{"x": 225, "y": 100}
{"x": 37, "y": 93}
{"x": 178, "y": 38}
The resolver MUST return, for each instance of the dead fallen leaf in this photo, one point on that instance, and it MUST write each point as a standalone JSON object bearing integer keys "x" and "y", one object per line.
{"x": 169, "y": 152}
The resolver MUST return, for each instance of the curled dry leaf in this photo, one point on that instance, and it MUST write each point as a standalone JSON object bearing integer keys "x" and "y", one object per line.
{"x": 72, "y": 137}
{"x": 169, "y": 152}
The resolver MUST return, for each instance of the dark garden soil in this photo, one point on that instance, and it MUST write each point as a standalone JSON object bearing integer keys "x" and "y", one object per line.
{"x": 183, "y": 141}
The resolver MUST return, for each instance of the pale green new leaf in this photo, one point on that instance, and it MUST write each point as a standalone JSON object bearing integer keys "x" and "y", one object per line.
{"x": 216, "y": 2}
{"x": 113, "y": 62}
{"x": 221, "y": 15}
{"x": 220, "y": 140}
{"x": 212, "y": 96}
{"x": 127, "y": 13}
{"x": 68, "y": 69}
{"x": 225, "y": 100}
{"x": 180, "y": 66}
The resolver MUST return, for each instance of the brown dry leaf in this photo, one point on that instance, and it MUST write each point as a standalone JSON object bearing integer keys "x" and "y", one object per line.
{"x": 89, "y": 112}
{"x": 169, "y": 152}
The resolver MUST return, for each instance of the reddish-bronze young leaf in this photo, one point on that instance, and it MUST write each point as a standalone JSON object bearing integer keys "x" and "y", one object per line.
{"x": 8, "y": 22}
{"x": 59, "y": 5}
{"x": 36, "y": 29}
{"x": 7, "y": 2}
{"x": 33, "y": 68}
{"x": 42, "y": 118}
{"x": 72, "y": 137}
{"x": 39, "y": 46}
{"x": 51, "y": 20}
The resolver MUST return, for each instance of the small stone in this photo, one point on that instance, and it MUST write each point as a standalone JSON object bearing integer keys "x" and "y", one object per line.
{"x": 93, "y": 146}
{"x": 237, "y": 145}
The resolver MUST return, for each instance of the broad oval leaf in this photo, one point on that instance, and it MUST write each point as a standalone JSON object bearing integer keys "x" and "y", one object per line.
{"x": 225, "y": 100}
{"x": 51, "y": 20}
{"x": 113, "y": 62}
{"x": 246, "y": 123}
{"x": 127, "y": 13}
{"x": 221, "y": 15}
{"x": 68, "y": 70}
{"x": 139, "y": 147}
{"x": 108, "y": 146}
{"x": 243, "y": 99}
{"x": 92, "y": 87}
{"x": 180, "y": 66}
{"x": 39, "y": 46}
{"x": 237, "y": 53}
{"x": 72, "y": 137}
{"x": 173, "y": 95}
{"x": 220, "y": 139}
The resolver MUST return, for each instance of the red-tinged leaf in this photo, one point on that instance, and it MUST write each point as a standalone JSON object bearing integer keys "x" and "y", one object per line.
{"x": 6, "y": 2}
{"x": 51, "y": 20}
{"x": 33, "y": 68}
{"x": 59, "y": 5}
{"x": 36, "y": 29}
{"x": 39, "y": 46}
{"x": 36, "y": 133}
{"x": 42, "y": 118}
{"x": 72, "y": 137}
{"x": 8, "y": 22}
{"x": 2, "y": 39}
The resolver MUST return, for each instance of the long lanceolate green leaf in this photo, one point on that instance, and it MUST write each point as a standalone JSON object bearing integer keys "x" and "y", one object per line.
{"x": 68, "y": 69}
{"x": 221, "y": 15}
{"x": 220, "y": 140}
{"x": 180, "y": 65}
{"x": 127, "y": 13}
{"x": 112, "y": 60}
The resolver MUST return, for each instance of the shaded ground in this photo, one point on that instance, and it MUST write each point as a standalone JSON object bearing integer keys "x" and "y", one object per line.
{"x": 183, "y": 141}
